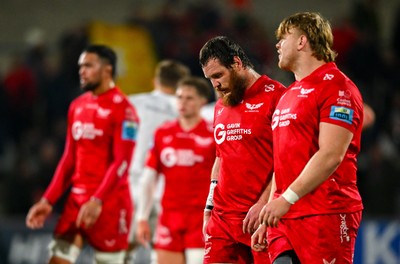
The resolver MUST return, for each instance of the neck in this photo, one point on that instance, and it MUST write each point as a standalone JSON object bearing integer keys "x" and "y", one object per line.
{"x": 104, "y": 87}
{"x": 188, "y": 123}
{"x": 252, "y": 76}
{"x": 305, "y": 68}
{"x": 166, "y": 90}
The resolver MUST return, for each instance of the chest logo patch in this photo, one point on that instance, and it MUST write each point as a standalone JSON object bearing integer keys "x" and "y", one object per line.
{"x": 179, "y": 157}
{"x": 306, "y": 91}
{"x": 103, "y": 113}
{"x": 253, "y": 107}
{"x": 85, "y": 131}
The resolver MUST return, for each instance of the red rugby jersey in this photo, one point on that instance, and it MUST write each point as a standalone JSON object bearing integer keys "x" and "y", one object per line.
{"x": 99, "y": 143}
{"x": 185, "y": 158}
{"x": 326, "y": 95}
{"x": 244, "y": 145}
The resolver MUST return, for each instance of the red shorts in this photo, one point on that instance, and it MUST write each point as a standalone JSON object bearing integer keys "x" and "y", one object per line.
{"x": 179, "y": 230}
{"x": 316, "y": 239}
{"x": 226, "y": 242}
{"x": 110, "y": 232}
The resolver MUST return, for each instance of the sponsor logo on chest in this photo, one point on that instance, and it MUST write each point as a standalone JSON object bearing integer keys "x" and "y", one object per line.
{"x": 81, "y": 130}
{"x": 230, "y": 132}
{"x": 282, "y": 118}
{"x": 179, "y": 157}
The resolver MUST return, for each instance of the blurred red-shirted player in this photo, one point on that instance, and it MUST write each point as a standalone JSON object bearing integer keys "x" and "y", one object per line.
{"x": 99, "y": 144}
{"x": 184, "y": 152}
{"x": 243, "y": 167}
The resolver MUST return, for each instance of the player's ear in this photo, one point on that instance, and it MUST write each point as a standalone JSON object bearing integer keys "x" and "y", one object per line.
{"x": 303, "y": 40}
{"x": 236, "y": 62}
{"x": 108, "y": 69}
{"x": 203, "y": 101}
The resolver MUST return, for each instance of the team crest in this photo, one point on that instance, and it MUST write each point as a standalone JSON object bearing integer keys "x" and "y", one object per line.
{"x": 253, "y": 107}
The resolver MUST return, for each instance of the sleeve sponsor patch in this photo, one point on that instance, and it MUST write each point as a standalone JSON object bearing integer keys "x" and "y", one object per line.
{"x": 342, "y": 114}
{"x": 129, "y": 129}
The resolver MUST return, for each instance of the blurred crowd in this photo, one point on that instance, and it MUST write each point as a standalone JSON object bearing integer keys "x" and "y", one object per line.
{"x": 36, "y": 90}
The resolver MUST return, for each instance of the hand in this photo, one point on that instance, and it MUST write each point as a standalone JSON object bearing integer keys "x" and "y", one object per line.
{"x": 89, "y": 213}
{"x": 273, "y": 211}
{"x": 258, "y": 239}
{"x": 251, "y": 222}
{"x": 143, "y": 233}
{"x": 207, "y": 215}
{"x": 38, "y": 214}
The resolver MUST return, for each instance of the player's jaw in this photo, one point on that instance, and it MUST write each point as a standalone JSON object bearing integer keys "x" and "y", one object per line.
{"x": 186, "y": 112}
{"x": 236, "y": 93}
{"x": 89, "y": 85}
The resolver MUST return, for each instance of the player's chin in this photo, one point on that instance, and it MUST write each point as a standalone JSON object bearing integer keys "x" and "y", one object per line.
{"x": 182, "y": 112}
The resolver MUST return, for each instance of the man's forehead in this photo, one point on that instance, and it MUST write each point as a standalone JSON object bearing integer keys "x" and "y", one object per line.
{"x": 212, "y": 64}
{"x": 88, "y": 56}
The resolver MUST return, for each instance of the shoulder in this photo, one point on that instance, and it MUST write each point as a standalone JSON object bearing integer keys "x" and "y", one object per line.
{"x": 140, "y": 97}
{"x": 117, "y": 97}
{"x": 122, "y": 105}
{"x": 335, "y": 81}
{"x": 168, "y": 125}
{"x": 166, "y": 128}
{"x": 272, "y": 86}
{"x": 80, "y": 99}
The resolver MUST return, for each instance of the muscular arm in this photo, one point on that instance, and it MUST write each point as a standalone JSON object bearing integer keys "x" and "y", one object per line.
{"x": 333, "y": 143}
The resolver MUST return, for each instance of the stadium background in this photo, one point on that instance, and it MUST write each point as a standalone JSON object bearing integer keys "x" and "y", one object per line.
{"x": 40, "y": 41}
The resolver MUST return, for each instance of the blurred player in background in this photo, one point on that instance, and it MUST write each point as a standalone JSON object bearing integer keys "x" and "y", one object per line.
{"x": 153, "y": 108}
{"x": 184, "y": 152}
{"x": 99, "y": 144}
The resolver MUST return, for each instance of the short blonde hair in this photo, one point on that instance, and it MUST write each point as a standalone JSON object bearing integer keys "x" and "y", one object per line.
{"x": 316, "y": 28}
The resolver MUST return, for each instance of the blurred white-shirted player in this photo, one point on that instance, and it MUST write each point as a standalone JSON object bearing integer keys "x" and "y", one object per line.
{"x": 153, "y": 108}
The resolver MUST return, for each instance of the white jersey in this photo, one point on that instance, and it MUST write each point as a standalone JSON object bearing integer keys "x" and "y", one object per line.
{"x": 153, "y": 108}
{"x": 207, "y": 111}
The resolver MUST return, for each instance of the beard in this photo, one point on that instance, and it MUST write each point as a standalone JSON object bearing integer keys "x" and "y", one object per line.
{"x": 235, "y": 96}
{"x": 90, "y": 86}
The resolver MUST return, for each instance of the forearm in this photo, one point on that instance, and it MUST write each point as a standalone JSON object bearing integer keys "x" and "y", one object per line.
{"x": 333, "y": 143}
{"x": 146, "y": 194}
{"x": 213, "y": 184}
{"x": 215, "y": 169}
{"x": 317, "y": 170}
{"x": 273, "y": 188}
{"x": 264, "y": 197}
